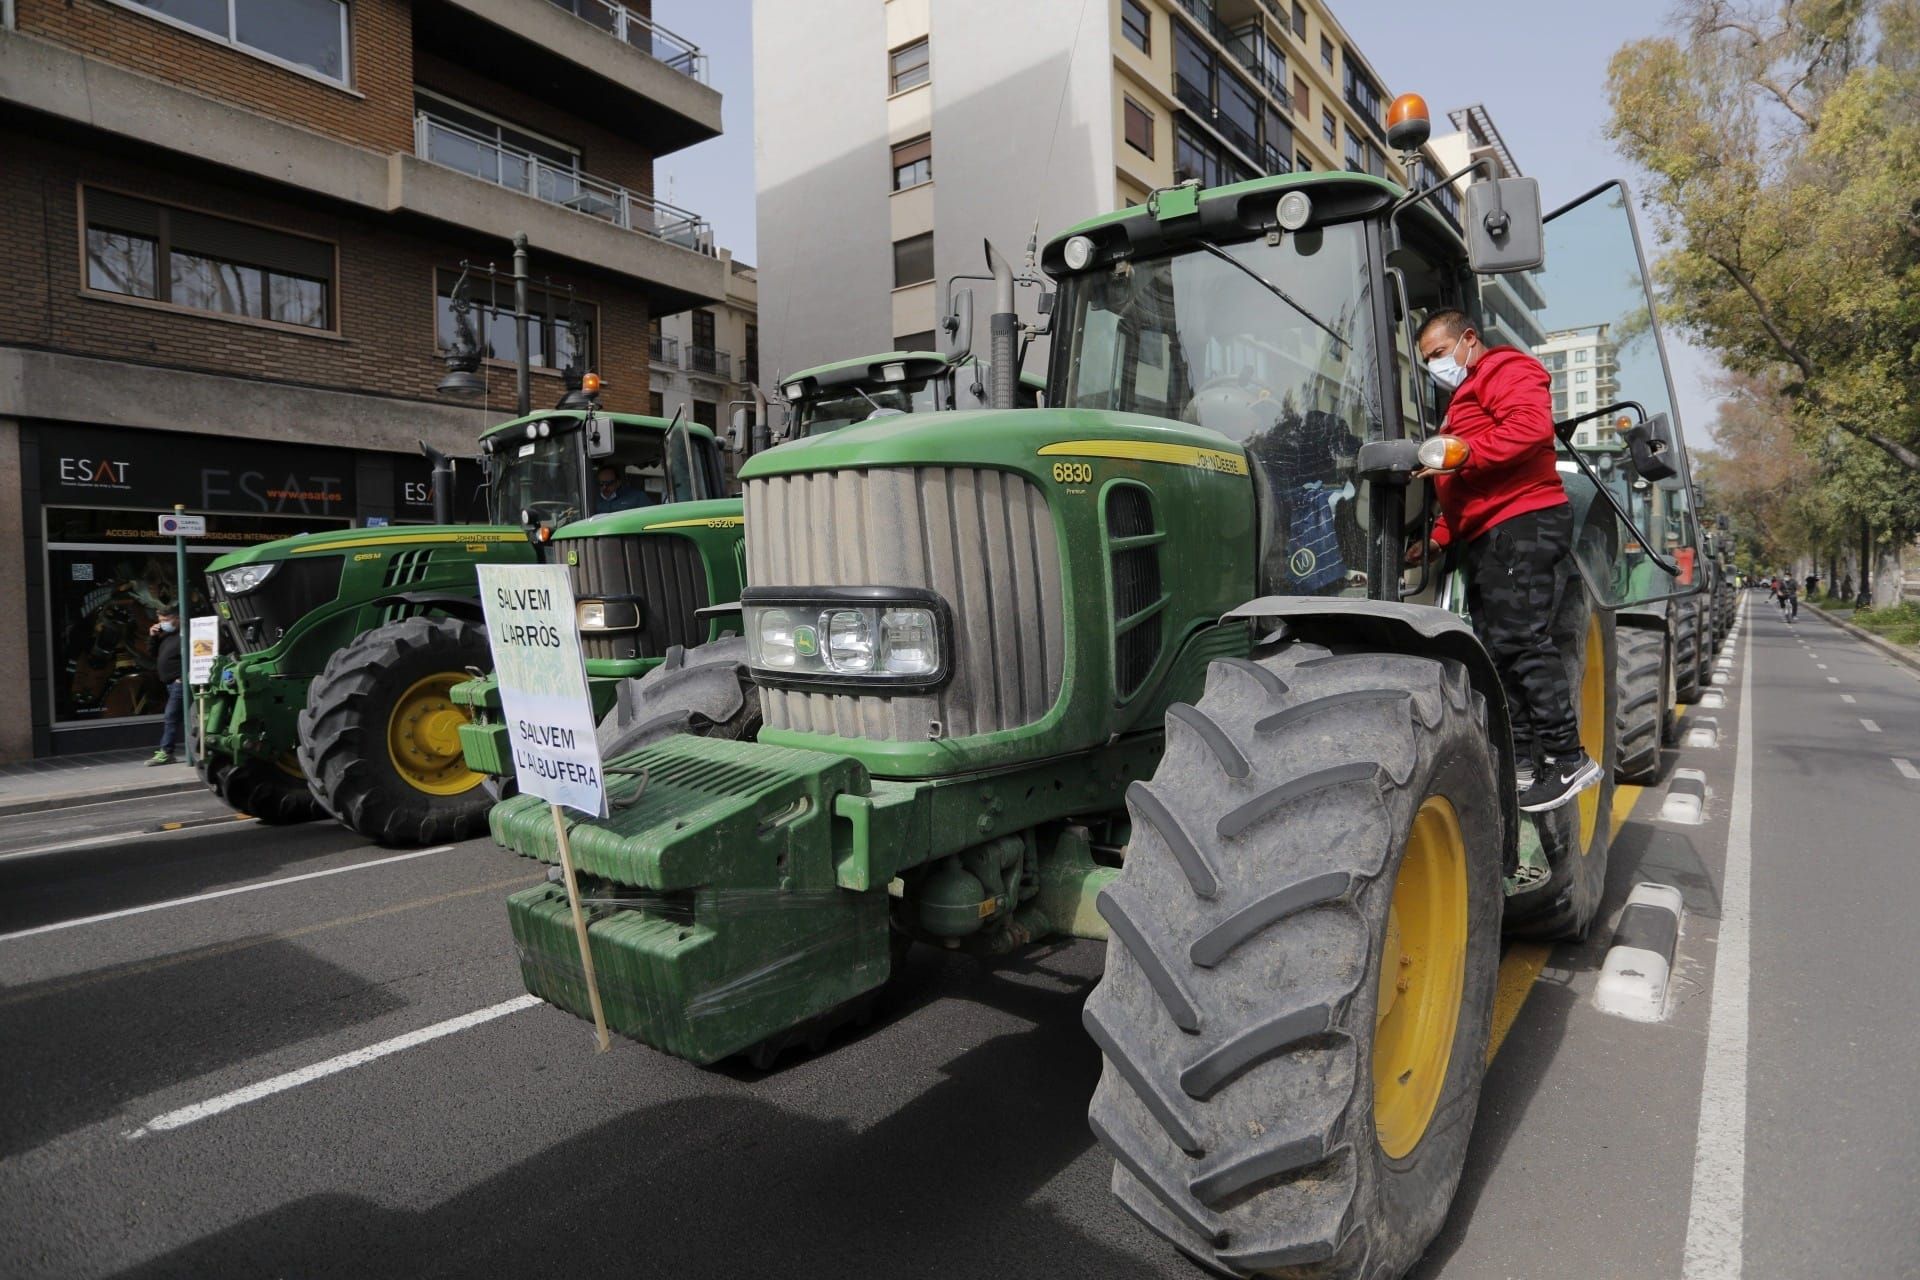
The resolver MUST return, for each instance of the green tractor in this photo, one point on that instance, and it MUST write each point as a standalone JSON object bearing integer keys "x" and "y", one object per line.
{"x": 337, "y": 692}
{"x": 1141, "y": 666}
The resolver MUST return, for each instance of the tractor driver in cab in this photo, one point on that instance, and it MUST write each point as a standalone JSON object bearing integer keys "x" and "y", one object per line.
{"x": 613, "y": 493}
{"x": 1508, "y": 509}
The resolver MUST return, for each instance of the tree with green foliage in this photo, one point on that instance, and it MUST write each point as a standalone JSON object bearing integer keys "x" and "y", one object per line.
{"x": 1783, "y": 145}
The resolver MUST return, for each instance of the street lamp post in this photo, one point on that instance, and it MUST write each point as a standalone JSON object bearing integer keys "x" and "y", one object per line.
{"x": 463, "y": 357}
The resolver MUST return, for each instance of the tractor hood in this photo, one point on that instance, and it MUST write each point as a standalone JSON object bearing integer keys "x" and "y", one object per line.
{"x": 715, "y": 513}
{"x": 1020, "y": 439}
{"x": 390, "y": 538}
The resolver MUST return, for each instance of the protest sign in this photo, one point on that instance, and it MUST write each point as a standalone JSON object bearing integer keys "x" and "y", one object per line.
{"x": 203, "y": 642}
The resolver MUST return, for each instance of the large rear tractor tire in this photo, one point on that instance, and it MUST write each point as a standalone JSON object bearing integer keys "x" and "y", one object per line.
{"x": 1645, "y": 676}
{"x": 380, "y": 740}
{"x": 277, "y": 795}
{"x": 1299, "y": 987}
{"x": 1576, "y": 836}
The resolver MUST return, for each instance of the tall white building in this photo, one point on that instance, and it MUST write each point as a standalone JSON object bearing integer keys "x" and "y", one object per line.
{"x": 893, "y": 136}
{"x": 1585, "y": 364}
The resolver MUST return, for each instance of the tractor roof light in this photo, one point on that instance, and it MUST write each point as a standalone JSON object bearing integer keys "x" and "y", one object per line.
{"x": 893, "y": 371}
{"x": 591, "y": 383}
{"x": 1408, "y": 124}
{"x": 794, "y": 391}
{"x": 1077, "y": 252}
{"x": 1294, "y": 211}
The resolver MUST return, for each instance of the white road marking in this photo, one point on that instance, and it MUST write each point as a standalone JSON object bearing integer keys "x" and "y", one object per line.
{"x": 1869, "y": 725}
{"x": 219, "y": 893}
{"x": 1833, "y": 679}
{"x": 1847, "y": 698}
{"x": 332, "y": 1066}
{"x": 1716, "y": 1217}
{"x": 1821, "y": 665}
{"x": 1906, "y": 769}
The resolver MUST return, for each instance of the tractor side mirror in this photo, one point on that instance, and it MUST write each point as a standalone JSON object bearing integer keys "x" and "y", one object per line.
{"x": 736, "y": 434}
{"x": 599, "y": 436}
{"x": 958, "y": 326}
{"x": 1503, "y": 225}
{"x": 1650, "y": 449}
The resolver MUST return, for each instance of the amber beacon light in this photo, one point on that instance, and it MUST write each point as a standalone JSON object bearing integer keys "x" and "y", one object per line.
{"x": 1408, "y": 124}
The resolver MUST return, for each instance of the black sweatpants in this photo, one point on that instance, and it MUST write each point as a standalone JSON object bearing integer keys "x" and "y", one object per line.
{"x": 1518, "y": 572}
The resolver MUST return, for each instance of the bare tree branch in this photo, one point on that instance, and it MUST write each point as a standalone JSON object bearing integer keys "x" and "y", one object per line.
{"x": 1765, "y": 314}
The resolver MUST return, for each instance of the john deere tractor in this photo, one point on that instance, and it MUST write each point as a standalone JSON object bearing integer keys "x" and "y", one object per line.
{"x": 335, "y": 691}
{"x": 1141, "y": 666}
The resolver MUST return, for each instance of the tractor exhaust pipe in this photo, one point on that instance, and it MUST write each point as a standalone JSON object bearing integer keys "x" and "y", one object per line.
{"x": 442, "y": 484}
{"x": 1003, "y": 328}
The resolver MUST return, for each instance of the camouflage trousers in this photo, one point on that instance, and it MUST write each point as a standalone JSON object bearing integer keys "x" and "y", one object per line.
{"x": 1518, "y": 573}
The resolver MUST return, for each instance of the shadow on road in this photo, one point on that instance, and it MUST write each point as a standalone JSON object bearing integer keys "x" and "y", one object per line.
{"x": 75, "y": 1058}
{"x": 726, "y": 1183}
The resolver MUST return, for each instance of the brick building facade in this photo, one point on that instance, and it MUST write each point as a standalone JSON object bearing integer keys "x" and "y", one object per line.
{"x": 230, "y": 251}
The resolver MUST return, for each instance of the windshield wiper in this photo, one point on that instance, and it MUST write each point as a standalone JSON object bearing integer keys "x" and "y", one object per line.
{"x": 1271, "y": 288}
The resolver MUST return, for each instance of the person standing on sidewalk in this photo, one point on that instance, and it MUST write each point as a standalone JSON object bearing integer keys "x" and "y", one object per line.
{"x": 167, "y": 664}
{"x": 1506, "y": 504}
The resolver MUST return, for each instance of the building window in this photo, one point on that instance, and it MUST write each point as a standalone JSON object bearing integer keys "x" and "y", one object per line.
{"x": 1580, "y": 355}
{"x": 922, "y": 341}
{"x": 1300, "y": 19}
{"x": 550, "y": 340}
{"x": 1362, "y": 93}
{"x": 750, "y": 361}
{"x": 308, "y": 35}
{"x": 913, "y": 163}
{"x": 1579, "y": 376}
{"x": 1356, "y": 151}
{"x": 1136, "y": 24}
{"x": 913, "y": 260}
{"x": 1302, "y": 97}
{"x": 1139, "y": 126}
{"x": 706, "y": 413}
{"x": 1329, "y": 126}
{"x": 1582, "y": 397}
{"x": 656, "y": 404}
{"x": 1326, "y": 54}
{"x": 194, "y": 260}
{"x": 1301, "y": 163}
{"x": 909, "y": 67}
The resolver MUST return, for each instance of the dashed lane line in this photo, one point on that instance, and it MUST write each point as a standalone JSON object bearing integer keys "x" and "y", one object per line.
{"x": 1716, "y": 1216}
{"x": 332, "y": 1066}
{"x": 116, "y": 837}
{"x": 124, "y": 912}
{"x": 1906, "y": 769}
{"x": 1847, "y": 698}
{"x": 1869, "y": 725}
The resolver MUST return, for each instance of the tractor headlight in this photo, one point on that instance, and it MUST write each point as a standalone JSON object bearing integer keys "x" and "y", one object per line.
{"x": 865, "y": 637}
{"x": 607, "y": 615}
{"x": 248, "y": 577}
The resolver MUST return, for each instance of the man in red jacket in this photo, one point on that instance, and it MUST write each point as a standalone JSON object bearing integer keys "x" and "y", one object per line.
{"x": 1507, "y": 507}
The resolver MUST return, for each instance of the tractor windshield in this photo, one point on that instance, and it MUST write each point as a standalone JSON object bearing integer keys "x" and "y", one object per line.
{"x": 540, "y": 477}
{"x": 843, "y": 406}
{"x": 1195, "y": 338}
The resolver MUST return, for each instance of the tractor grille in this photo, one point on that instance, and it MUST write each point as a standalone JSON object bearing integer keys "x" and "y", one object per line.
{"x": 981, "y": 538}
{"x": 1136, "y": 587}
{"x": 663, "y": 570}
{"x": 404, "y": 568}
{"x": 258, "y": 619}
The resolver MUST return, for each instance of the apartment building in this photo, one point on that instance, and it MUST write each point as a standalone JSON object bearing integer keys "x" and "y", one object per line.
{"x": 1585, "y": 366}
{"x": 707, "y": 359}
{"x": 894, "y": 135}
{"x": 234, "y": 228}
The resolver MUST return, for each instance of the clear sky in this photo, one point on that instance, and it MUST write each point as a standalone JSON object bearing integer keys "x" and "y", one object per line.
{"x": 1539, "y": 69}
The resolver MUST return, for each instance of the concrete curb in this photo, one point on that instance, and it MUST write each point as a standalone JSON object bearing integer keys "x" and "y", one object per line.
{"x": 1634, "y": 976}
{"x": 1888, "y": 647}
{"x": 68, "y": 799}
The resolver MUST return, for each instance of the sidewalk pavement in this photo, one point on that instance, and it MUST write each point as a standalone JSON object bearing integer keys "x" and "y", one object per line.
{"x": 60, "y": 782}
{"x": 1898, "y": 652}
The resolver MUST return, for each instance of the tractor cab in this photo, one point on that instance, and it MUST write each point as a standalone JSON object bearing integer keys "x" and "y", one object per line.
{"x": 547, "y": 470}
{"x": 840, "y": 394}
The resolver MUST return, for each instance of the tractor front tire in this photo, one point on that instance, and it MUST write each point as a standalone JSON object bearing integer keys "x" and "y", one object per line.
{"x": 1298, "y": 991}
{"x": 379, "y": 739}
{"x": 706, "y": 690}
{"x": 1639, "y": 721}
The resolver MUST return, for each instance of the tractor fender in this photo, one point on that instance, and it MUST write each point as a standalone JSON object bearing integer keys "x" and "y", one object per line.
{"x": 465, "y": 607}
{"x": 1418, "y": 630}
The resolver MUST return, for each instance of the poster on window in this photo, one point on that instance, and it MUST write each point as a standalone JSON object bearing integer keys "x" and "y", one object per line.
{"x": 203, "y": 645}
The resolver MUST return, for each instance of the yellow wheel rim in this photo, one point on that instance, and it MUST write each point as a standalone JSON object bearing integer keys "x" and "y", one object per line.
{"x": 1423, "y": 971}
{"x": 1593, "y": 726}
{"x": 423, "y": 737}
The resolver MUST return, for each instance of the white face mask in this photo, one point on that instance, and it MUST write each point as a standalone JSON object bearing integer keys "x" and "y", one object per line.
{"x": 169, "y": 627}
{"x": 1445, "y": 371}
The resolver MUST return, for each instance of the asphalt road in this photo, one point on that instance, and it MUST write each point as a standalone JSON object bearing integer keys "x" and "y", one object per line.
{"x": 180, "y": 1101}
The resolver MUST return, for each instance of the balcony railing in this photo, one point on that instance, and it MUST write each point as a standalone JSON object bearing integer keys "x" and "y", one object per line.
{"x": 444, "y": 143}
{"x": 663, "y": 350}
{"x": 708, "y": 360}
{"x": 628, "y": 27}
{"x": 1246, "y": 44}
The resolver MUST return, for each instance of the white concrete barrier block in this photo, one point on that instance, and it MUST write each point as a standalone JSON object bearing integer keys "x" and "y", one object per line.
{"x": 1713, "y": 700}
{"x": 1703, "y": 732}
{"x": 1686, "y": 800}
